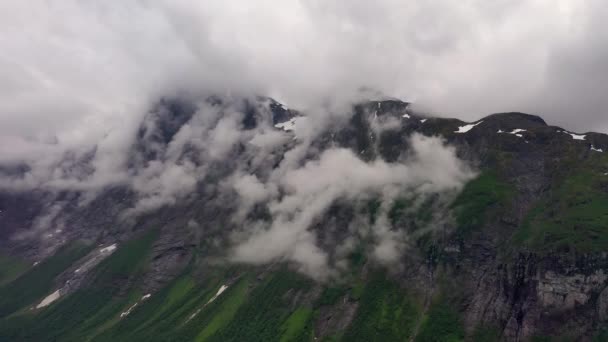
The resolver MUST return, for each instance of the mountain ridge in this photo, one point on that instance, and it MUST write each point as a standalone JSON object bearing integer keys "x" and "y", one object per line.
{"x": 510, "y": 255}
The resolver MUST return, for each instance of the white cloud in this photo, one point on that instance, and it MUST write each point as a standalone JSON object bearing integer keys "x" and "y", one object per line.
{"x": 78, "y": 71}
{"x": 308, "y": 191}
{"x": 77, "y": 79}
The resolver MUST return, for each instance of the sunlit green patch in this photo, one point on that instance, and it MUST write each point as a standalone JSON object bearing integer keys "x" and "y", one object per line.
{"x": 262, "y": 316}
{"x": 296, "y": 326}
{"x": 386, "y": 312}
{"x": 76, "y": 317}
{"x": 573, "y": 217}
{"x": 479, "y": 199}
{"x": 37, "y": 282}
{"x": 441, "y": 324}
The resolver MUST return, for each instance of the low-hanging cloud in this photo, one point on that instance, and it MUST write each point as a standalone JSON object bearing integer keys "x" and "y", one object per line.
{"x": 81, "y": 73}
{"x": 338, "y": 174}
{"x": 77, "y": 80}
{"x": 286, "y": 174}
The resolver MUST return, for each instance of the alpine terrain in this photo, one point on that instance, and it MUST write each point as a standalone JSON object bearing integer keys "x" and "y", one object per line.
{"x": 229, "y": 218}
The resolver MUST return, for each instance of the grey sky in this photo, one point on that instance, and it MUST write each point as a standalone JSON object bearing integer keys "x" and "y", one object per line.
{"x": 75, "y": 72}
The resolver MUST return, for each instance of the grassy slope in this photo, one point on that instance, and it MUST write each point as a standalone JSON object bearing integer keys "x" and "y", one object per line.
{"x": 11, "y": 268}
{"x": 480, "y": 199}
{"x": 249, "y": 309}
{"x": 225, "y": 312}
{"x": 262, "y": 316}
{"x": 78, "y": 315}
{"x": 296, "y": 325}
{"x": 441, "y": 324}
{"x": 36, "y": 283}
{"x": 573, "y": 217}
{"x": 386, "y": 312}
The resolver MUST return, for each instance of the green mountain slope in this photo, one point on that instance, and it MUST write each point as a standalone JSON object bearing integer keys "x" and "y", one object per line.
{"x": 520, "y": 253}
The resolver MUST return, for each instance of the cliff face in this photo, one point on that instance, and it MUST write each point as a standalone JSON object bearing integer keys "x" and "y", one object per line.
{"x": 518, "y": 253}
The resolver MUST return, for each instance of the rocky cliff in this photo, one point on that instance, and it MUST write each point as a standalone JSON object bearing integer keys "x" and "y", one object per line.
{"x": 241, "y": 219}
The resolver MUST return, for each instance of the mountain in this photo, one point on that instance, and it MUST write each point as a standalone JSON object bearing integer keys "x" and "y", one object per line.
{"x": 239, "y": 219}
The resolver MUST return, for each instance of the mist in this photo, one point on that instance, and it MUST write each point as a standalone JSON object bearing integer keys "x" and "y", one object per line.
{"x": 338, "y": 173}
{"x": 82, "y": 86}
{"x": 76, "y": 73}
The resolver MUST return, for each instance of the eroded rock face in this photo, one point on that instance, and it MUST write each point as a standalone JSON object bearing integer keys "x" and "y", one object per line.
{"x": 566, "y": 292}
{"x": 602, "y": 305}
{"x": 522, "y": 296}
{"x": 332, "y": 320}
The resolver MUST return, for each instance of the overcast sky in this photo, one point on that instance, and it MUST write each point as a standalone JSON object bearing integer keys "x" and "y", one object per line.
{"x": 73, "y": 71}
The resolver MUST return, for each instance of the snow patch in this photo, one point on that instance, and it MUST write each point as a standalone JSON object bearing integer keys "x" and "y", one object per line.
{"x": 575, "y": 136}
{"x": 49, "y": 299}
{"x": 466, "y": 128}
{"x": 288, "y": 125}
{"x": 193, "y": 315}
{"x": 291, "y": 124}
{"x": 36, "y": 263}
{"x": 111, "y": 248}
{"x": 423, "y": 120}
{"x": 593, "y": 148}
{"x": 126, "y": 313}
{"x": 516, "y": 132}
{"x": 219, "y": 292}
{"x": 406, "y": 116}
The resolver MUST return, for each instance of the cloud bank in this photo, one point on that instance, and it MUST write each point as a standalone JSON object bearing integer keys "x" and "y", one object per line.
{"x": 81, "y": 72}
{"x": 338, "y": 174}
{"x": 279, "y": 185}
{"x": 77, "y": 80}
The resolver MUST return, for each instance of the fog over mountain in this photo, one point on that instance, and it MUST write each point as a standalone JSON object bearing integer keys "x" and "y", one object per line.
{"x": 303, "y": 170}
{"x": 74, "y": 73}
{"x": 80, "y": 81}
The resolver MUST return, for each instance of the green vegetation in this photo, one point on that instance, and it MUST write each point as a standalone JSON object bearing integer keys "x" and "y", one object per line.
{"x": 262, "y": 316}
{"x": 333, "y": 338}
{"x": 486, "y": 334}
{"x": 573, "y": 217}
{"x": 441, "y": 324}
{"x": 601, "y": 335}
{"x": 386, "y": 312}
{"x": 296, "y": 325}
{"x": 357, "y": 290}
{"x": 182, "y": 311}
{"x": 478, "y": 200}
{"x": 36, "y": 283}
{"x": 11, "y": 268}
{"x": 357, "y": 259}
{"x": 331, "y": 295}
{"x": 225, "y": 313}
{"x": 74, "y": 317}
{"x": 168, "y": 314}
{"x": 250, "y": 309}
